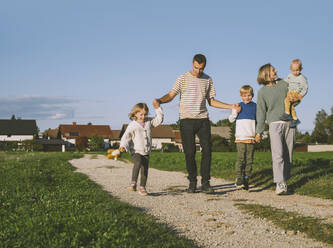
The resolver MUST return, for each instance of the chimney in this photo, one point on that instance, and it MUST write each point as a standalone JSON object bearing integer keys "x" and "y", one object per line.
{"x": 74, "y": 123}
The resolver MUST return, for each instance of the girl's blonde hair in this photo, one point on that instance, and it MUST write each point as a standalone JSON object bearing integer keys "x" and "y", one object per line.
{"x": 264, "y": 74}
{"x": 138, "y": 107}
{"x": 246, "y": 89}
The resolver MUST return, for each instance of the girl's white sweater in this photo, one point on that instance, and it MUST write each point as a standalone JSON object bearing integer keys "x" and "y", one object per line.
{"x": 138, "y": 139}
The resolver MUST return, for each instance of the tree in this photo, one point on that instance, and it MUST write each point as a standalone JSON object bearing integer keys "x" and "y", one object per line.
{"x": 96, "y": 142}
{"x": 81, "y": 143}
{"x": 321, "y": 132}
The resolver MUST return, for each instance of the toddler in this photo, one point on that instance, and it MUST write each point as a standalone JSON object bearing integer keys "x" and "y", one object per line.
{"x": 137, "y": 140}
{"x": 298, "y": 87}
{"x": 244, "y": 136}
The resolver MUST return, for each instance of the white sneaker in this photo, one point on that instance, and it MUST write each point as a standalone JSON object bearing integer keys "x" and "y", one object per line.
{"x": 281, "y": 188}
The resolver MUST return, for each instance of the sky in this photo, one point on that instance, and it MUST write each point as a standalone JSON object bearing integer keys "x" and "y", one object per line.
{"x": 92, "y": 61}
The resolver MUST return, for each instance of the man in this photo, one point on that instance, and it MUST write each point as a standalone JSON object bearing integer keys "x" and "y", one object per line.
{"x": 195, "y": 87}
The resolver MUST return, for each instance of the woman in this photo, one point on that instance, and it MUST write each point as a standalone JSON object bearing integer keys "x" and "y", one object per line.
{"x": 270, "y": 107}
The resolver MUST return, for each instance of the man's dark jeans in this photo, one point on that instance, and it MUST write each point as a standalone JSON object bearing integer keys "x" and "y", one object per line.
{"x": 188, "y": 129}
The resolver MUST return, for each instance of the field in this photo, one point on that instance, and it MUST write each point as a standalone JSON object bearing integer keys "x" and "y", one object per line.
{"x": 311, "y": 174}
{"x": 44, "y": 203}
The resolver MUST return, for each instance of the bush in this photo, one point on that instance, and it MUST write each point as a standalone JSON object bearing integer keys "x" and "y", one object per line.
{"x": 168, "y": 147}
{"x": 219, "y": 144}
{"x": 96, "y": 142}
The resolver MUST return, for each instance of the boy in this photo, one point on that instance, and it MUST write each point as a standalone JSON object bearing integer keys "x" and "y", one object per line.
{"x": 245, "y": 136}
{"x": 298, "y": 87}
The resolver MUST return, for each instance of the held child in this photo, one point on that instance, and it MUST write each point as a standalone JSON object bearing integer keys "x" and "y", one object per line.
{"x": 137, "y": 140}
{"x": 298, "y": 87}
{"x": 245, "y": 136}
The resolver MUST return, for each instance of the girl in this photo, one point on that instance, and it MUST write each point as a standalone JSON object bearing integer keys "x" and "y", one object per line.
{"x": 137, "y": 140}
{"x": 270, "y": 107}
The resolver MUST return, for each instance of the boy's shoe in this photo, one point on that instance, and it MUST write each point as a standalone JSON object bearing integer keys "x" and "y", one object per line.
{"x": 192, "y": 187}
{"x": 206, "y": 188}
{"x": 239, "y": 182}
{"x": 245, "y": 183}
{"x": 132, "y": 186}
{"x": 281, "y": 188}
{"x": 142, "y": 191}
{"x": 294, "y": 123}
{"x": 286, "y": 117}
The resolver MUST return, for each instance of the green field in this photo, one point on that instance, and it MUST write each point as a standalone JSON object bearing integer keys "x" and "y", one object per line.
{"x": 44, "y": 203}
{"x": 311, "y": 174}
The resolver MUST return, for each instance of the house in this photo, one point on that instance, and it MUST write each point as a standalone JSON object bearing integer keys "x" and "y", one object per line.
{"x": 115, "y": 137}
{"x": 162, "y": 134}
{"x": 18, "y": 130}
{"x": 70, "y": 132}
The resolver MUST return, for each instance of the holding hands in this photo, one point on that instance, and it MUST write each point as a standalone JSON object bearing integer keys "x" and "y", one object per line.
{"x": 156, "y": 103}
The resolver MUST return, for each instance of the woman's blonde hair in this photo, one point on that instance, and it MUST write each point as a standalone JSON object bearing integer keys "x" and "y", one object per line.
{"x": 246, "y": 89}
{"x": 264, "y": 74}
{"x": 138, "y": 107}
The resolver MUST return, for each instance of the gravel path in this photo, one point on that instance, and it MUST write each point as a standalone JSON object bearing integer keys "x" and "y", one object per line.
{"x": 210, "y": 220}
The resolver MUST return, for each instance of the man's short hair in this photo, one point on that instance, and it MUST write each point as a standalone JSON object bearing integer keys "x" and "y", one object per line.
{"x": 200, "y": 58}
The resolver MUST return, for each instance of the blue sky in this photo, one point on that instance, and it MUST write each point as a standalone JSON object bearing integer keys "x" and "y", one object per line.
{"x": 91, "y": 61}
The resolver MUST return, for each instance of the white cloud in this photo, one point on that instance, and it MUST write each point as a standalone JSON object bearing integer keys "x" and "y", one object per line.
{"x": 37, "y": 107}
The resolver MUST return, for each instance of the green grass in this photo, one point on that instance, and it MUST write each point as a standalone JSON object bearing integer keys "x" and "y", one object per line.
{"x": 44, "y": 203}
{"x": 312, "y": 227}
{"x": 311, "y": 174}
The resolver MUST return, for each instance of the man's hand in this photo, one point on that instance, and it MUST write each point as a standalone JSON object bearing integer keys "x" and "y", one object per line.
{"x": 237, "y": 107}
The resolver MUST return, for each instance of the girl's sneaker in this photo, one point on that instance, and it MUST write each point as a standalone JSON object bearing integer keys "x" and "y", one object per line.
{"x": 281, "y": 188}
{"x": 142, "y": 191}
{"x": 132, "y": 187}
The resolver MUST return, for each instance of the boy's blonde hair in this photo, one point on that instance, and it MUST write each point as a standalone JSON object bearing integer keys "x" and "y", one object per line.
{"x": 246, "y": 89}
{"x": 264, "y": 74}
{"x": 298, "y": 62}
{"x": 138, "y": 107}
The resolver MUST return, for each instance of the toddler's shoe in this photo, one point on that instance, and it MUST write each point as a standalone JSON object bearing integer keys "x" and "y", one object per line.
{"x": 239, "y": 182}
{"x": 142, "y": 191}
{"x": 286, "y": 117}
{"x": 132, "y": 187}
{"x": 294, "y": 123}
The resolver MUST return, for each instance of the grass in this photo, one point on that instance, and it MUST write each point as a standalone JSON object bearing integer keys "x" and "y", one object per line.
{"x": 311, "y": 174}
{"x": 312, "y": 227}
{"x": 44, "y": 203}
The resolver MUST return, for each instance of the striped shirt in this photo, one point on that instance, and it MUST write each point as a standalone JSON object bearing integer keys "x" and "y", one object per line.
{"x": 193, "y": 94}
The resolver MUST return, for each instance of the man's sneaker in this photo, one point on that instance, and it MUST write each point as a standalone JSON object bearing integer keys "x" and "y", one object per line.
{"x": 206, "y": 188}
{"x": 245, "y": 183}
{"x": 281, "y": 188}
{"x": 192, "y": 187}
{"x": 294, "y": 123}
{"x": 239, "y": 182}
{"x": 286, "y": 117}
{"x": 142, "y": 191}
{"x": 132, "y": 186}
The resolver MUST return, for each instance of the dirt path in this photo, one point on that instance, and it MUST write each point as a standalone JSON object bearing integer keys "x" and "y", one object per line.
{"x": 210, "y": 220}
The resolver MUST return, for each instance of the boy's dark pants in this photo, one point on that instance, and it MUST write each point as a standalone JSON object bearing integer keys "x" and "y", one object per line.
{"x": 188, "y": 129}
{"x": 140, "y": 163}
{"x": 244, "y": 159}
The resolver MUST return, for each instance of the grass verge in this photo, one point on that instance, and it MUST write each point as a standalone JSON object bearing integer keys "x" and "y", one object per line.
{"x": 312, "y": 227}
{"x": 311, "y": 174}
{"x": 44, "y": 203}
